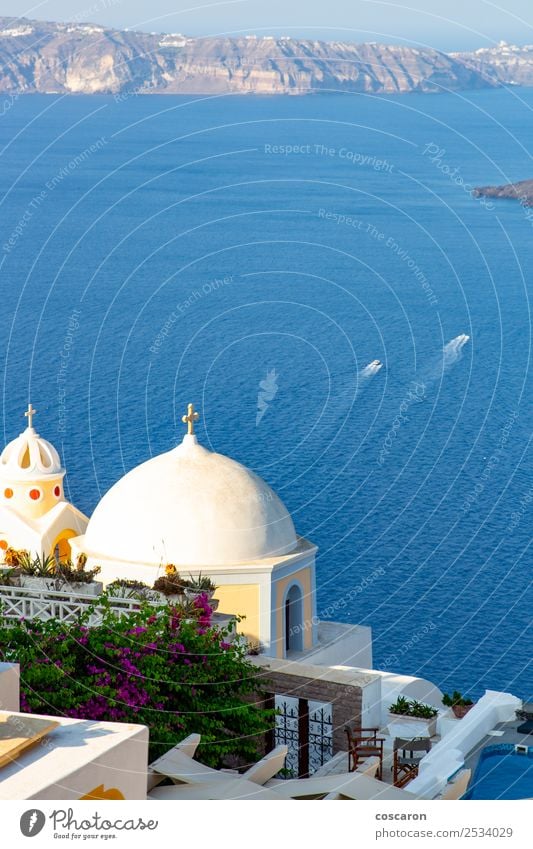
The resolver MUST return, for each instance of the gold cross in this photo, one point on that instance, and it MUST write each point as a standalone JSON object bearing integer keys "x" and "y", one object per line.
{"x": 190, "y": 418}
{"x": 30, "y": 414}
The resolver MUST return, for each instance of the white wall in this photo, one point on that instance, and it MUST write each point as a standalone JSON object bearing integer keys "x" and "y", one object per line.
{"x": 342, "y": 645}
{"x": 371, "y": 705}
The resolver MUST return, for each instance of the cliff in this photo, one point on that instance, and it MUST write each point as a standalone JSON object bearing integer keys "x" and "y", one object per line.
{"x": 37, "y": 56}
{"x": 505, "y": 64}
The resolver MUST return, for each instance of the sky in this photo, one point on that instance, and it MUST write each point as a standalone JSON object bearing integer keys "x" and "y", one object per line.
{"x": 443, "y": 24}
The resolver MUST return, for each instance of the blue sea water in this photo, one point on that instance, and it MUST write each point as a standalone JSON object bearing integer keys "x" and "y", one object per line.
{"x": 158, "y": 250}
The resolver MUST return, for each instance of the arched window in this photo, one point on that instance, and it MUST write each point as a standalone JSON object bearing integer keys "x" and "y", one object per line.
{"x": 294, "y": 623}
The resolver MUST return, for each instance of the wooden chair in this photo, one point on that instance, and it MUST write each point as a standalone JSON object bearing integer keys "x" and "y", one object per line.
{"x": 364, "y": 743}
{"x": 407, "y": 757}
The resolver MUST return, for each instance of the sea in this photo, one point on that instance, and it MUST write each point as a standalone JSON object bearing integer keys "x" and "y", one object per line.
{"x": 255, "y": 255}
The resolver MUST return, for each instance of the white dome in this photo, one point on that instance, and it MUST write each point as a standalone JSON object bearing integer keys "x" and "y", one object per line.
{"x": 190, "y": 507}
{"x": 29, "y": 456}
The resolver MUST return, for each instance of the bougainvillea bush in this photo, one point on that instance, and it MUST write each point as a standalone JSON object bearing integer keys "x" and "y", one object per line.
{"x": 165, "y": 667}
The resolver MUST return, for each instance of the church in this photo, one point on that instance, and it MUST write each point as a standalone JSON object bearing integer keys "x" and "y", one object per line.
{"x": 207, "y": 514}
{"x": 201, "y": 511}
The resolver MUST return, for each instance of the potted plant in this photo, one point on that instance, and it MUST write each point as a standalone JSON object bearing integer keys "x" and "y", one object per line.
{"x": 12, "y": 568}
{"x": 171, "y": 585}
{"x": 129, "y": 588}
{"x": 74, "y": 578}
{"x": 199, "y": 585}
{"x": 36, "y": 572}
{"x": 412, "y": 711}
{"x": 400, "y": 706}
{"x": 458, "y": 703}
{"x": 7, "y": 579}
{"x": 46, "y": 573}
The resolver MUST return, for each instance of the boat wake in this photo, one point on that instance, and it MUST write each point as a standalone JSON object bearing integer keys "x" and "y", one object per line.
{"x": 453, "y": 351}
{"x": 366, "y": 374}
{"x": 451, "y": 354}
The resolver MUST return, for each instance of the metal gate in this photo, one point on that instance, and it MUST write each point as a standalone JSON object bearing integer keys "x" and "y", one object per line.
{"x": 306, "y": 727}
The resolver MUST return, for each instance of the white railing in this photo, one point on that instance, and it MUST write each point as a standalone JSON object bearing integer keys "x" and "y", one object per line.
{"x": 24, "y": 603}
{"x": 18, "y": 603}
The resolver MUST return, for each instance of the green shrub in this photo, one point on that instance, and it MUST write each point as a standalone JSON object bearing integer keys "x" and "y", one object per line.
{"x": 126, "y": 588}
{"x": 456, "y": 700}
{"x": 200, "y": 583}
{"x": 160, "y": 667}
{"x": 406, "y": 707}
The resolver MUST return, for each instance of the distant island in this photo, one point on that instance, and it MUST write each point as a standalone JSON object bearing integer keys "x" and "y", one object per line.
{"x": 521, "y": 191}
{"x": 82, "y": 58}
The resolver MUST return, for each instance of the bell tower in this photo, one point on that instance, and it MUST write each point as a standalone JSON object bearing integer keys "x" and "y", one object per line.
{"x": 34, "y": 514}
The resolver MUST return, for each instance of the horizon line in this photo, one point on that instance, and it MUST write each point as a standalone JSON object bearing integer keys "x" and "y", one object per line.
{"x": 250, "y": 35}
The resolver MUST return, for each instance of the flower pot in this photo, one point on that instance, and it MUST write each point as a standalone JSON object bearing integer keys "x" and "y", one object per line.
{"x": 420, "y": 727}
{"x": 58, "y": 585}
{"x": 32, "y": 582}
{"x": 94, "y": 588}
{"x": 154, "y": 596}
{"x": 191, "y": 593}
{"x": 133, "y": 593}
{"x": 461, "y": 710}
{"x": 175, "y": 598}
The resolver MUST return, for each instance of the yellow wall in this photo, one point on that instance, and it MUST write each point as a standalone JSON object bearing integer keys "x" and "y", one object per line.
{"x": 303, "y": 577}
{"x": 20, "y": 500}
{"x": 243, "y": 600}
